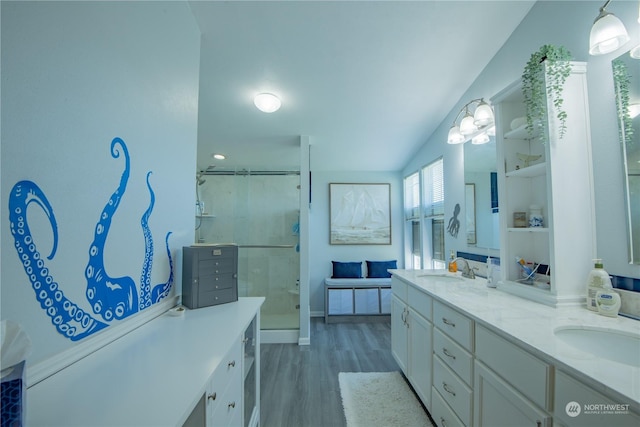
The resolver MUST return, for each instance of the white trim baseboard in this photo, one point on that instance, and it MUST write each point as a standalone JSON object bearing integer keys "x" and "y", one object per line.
{"x": 279, "y": 336}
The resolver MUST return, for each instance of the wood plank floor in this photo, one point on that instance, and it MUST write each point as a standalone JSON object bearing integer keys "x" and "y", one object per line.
{"x": 299, "y": 384}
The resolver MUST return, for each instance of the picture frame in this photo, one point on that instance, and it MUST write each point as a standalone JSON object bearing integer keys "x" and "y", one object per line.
{"x": 359, "y": 214}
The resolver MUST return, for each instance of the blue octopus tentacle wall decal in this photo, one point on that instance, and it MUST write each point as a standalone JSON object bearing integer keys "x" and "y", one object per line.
{"x": 162, "y": 290}
{"x": 69, "y": 319}
{"x": 145, "y": 277}
{"x": 110, "y": 297}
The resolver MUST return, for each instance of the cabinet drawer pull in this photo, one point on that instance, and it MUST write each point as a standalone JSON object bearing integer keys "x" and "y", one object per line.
{"x": 231, "y": 405}
{"x": 212, "y": 396}
{"x": 446, "y": 388}
{"x": 448, "y": 322}
{"x": 446, "y": 353}
{"x": 443, "y": 423}
{"x": 231, "y": 364}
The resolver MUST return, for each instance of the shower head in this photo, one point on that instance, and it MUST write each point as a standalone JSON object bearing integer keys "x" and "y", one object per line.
{"x": 199, "y": 179}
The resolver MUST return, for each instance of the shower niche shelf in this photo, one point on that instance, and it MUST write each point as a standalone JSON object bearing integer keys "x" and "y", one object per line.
{"x": 205, "y": 216}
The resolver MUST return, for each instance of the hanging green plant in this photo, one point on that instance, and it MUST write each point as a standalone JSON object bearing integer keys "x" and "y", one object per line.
{"x": 622, "y": 80}
{"x": 544, "y": 75}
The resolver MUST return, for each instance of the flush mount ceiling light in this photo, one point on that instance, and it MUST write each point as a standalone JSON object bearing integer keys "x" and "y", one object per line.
{"x": 267, "y": 102}
{"x": 219, "y": 156}
{"x": 473, "y": 125}
{"x": 607, "y": 33}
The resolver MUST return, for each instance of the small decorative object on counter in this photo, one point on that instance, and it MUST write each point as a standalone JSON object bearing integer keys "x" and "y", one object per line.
{"x": 535, "y": 216}
{"x": 520, "y": 219}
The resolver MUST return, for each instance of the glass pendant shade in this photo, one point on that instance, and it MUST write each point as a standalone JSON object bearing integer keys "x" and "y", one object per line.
{"x": 635, "y": 52}
{"x": 634, "y": 110}
{"x": 455, "y": 137}
{"x": 491, "y": 131}
{"x": 267, "y": 102}
{"x": 483, "y": 138}
{"x": 467, "y": 127}
{"x": 483, "y": 115}
{"x": 607, "y": 34}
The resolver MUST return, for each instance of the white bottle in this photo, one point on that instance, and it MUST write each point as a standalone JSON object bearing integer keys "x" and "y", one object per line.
{"x": 490, "y": 282}
{"x": 599, "y": 280}
{"x": 608, "y": 302}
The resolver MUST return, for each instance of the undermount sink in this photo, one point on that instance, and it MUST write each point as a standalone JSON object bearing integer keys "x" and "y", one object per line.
{"x": 609, "y": 344}
{"x": 440, "y": 276}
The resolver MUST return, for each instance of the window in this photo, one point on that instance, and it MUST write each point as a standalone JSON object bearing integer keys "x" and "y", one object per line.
{"x": 424, "y": 217}
{"x": 433, "y": 197}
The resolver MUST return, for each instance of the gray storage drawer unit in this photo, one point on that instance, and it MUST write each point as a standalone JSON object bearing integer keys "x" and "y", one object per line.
{"x": 209, "y": 275}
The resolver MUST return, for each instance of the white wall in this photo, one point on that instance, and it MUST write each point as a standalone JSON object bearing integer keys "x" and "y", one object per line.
{"x": 321, "y": 253}
{"x": 568, "y": 24}
{"x": 74, "y": 76}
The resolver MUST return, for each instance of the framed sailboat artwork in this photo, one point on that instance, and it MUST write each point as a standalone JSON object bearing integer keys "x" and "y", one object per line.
{"x": 360, "y": 214}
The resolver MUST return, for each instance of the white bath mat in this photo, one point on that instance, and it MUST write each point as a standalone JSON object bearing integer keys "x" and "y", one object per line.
{"x": 380, "y": 399}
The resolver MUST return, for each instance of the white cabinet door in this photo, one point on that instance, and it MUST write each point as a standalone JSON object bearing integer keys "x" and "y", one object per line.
{"x": 399, "y": 332}
{"x": 420, "y": 356}
{"x": 499, "y": 404}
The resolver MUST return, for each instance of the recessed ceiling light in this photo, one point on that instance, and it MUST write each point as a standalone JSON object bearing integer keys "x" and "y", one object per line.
{"x": 219, "y": 156}
{"x": 267, "y": 102}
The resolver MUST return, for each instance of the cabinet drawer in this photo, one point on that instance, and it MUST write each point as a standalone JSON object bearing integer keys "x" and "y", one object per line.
{"x": 420, "y": 301}
{"x": 528, "y": 374}
{"x": 217, "y": 282}
{"x": 223, "y": 296}
{"x": 399, "y": 288}
{"x": 456, "y": 357}
{"x": 569, "y": 391}
{"x": 228, "y": 366}
{"x": 453, "y": 390}
{"x": 442, "y": 414}
{"x": 217, "y": 266}
{"x": 215, "y": 252}
{"x": 226, "y": 409}
{"x": 454, "y": 324}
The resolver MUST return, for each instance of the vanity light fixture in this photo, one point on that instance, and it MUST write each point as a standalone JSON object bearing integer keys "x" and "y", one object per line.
{"x": 634, "y": 110}
{"x": 607, "y": 33}
{"x": 472, "y": 126}
{"x": 267, "y": 102}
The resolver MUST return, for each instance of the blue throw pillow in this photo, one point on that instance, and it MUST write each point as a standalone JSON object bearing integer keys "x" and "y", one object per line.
{"x": 378, "y": 269}
{"x": 347, "y": 270}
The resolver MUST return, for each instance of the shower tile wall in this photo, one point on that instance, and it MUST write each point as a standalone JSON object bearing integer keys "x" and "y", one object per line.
{"x": 258, "y": 210}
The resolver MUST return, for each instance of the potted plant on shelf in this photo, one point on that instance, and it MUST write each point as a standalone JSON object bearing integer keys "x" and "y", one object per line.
{"x": 544, "y": 76}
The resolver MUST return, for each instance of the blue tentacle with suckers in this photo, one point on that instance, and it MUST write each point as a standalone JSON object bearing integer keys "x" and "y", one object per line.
{"x": 145, "y": 277}
{"x": 162, "y": 290}
{"x": 110, "y": 297}
{"x": 68, "y": 318}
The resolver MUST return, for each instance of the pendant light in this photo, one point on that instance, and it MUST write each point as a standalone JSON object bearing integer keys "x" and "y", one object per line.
{"x": 607, "y": 33}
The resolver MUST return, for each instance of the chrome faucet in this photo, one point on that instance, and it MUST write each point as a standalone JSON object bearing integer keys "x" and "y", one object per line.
{"x": 466, "y": 271}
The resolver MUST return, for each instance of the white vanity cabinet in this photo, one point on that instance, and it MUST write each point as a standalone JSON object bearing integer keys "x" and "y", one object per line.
{"x": 532, "y": 172}
{"x": 512, "y": 387}
{"x": 411, "y": 340}
{"x": 224, "y": 390}
{"x": 452, "y": 366}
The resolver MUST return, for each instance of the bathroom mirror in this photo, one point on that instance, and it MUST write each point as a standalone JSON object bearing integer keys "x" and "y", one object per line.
{"x": 627, "y": 89}
{"x": 480, "y": 171}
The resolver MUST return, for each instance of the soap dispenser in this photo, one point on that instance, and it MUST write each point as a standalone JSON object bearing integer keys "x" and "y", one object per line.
{"x": 490, "y": 282}
{"x": 599, "y": 280}
{"x": 453, "y": 266}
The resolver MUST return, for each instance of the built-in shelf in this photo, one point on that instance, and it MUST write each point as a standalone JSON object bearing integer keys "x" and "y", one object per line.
{"x": 521, "y": 133}
{"x": 538, "y": 169}
{"x": 528, "y": 230}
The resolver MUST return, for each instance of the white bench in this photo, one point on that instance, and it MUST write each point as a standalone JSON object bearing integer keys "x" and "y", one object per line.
{"x": 357, "y": 299}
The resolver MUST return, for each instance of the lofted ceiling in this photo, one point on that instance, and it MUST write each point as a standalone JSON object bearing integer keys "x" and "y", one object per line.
{"x": 367, "y": 81}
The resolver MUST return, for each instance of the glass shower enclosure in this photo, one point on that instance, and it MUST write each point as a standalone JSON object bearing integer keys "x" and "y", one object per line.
{"x": 258, "y": 211}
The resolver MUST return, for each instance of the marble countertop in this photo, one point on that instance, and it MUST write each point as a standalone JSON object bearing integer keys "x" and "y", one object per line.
{"x": 532, "y": 325}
